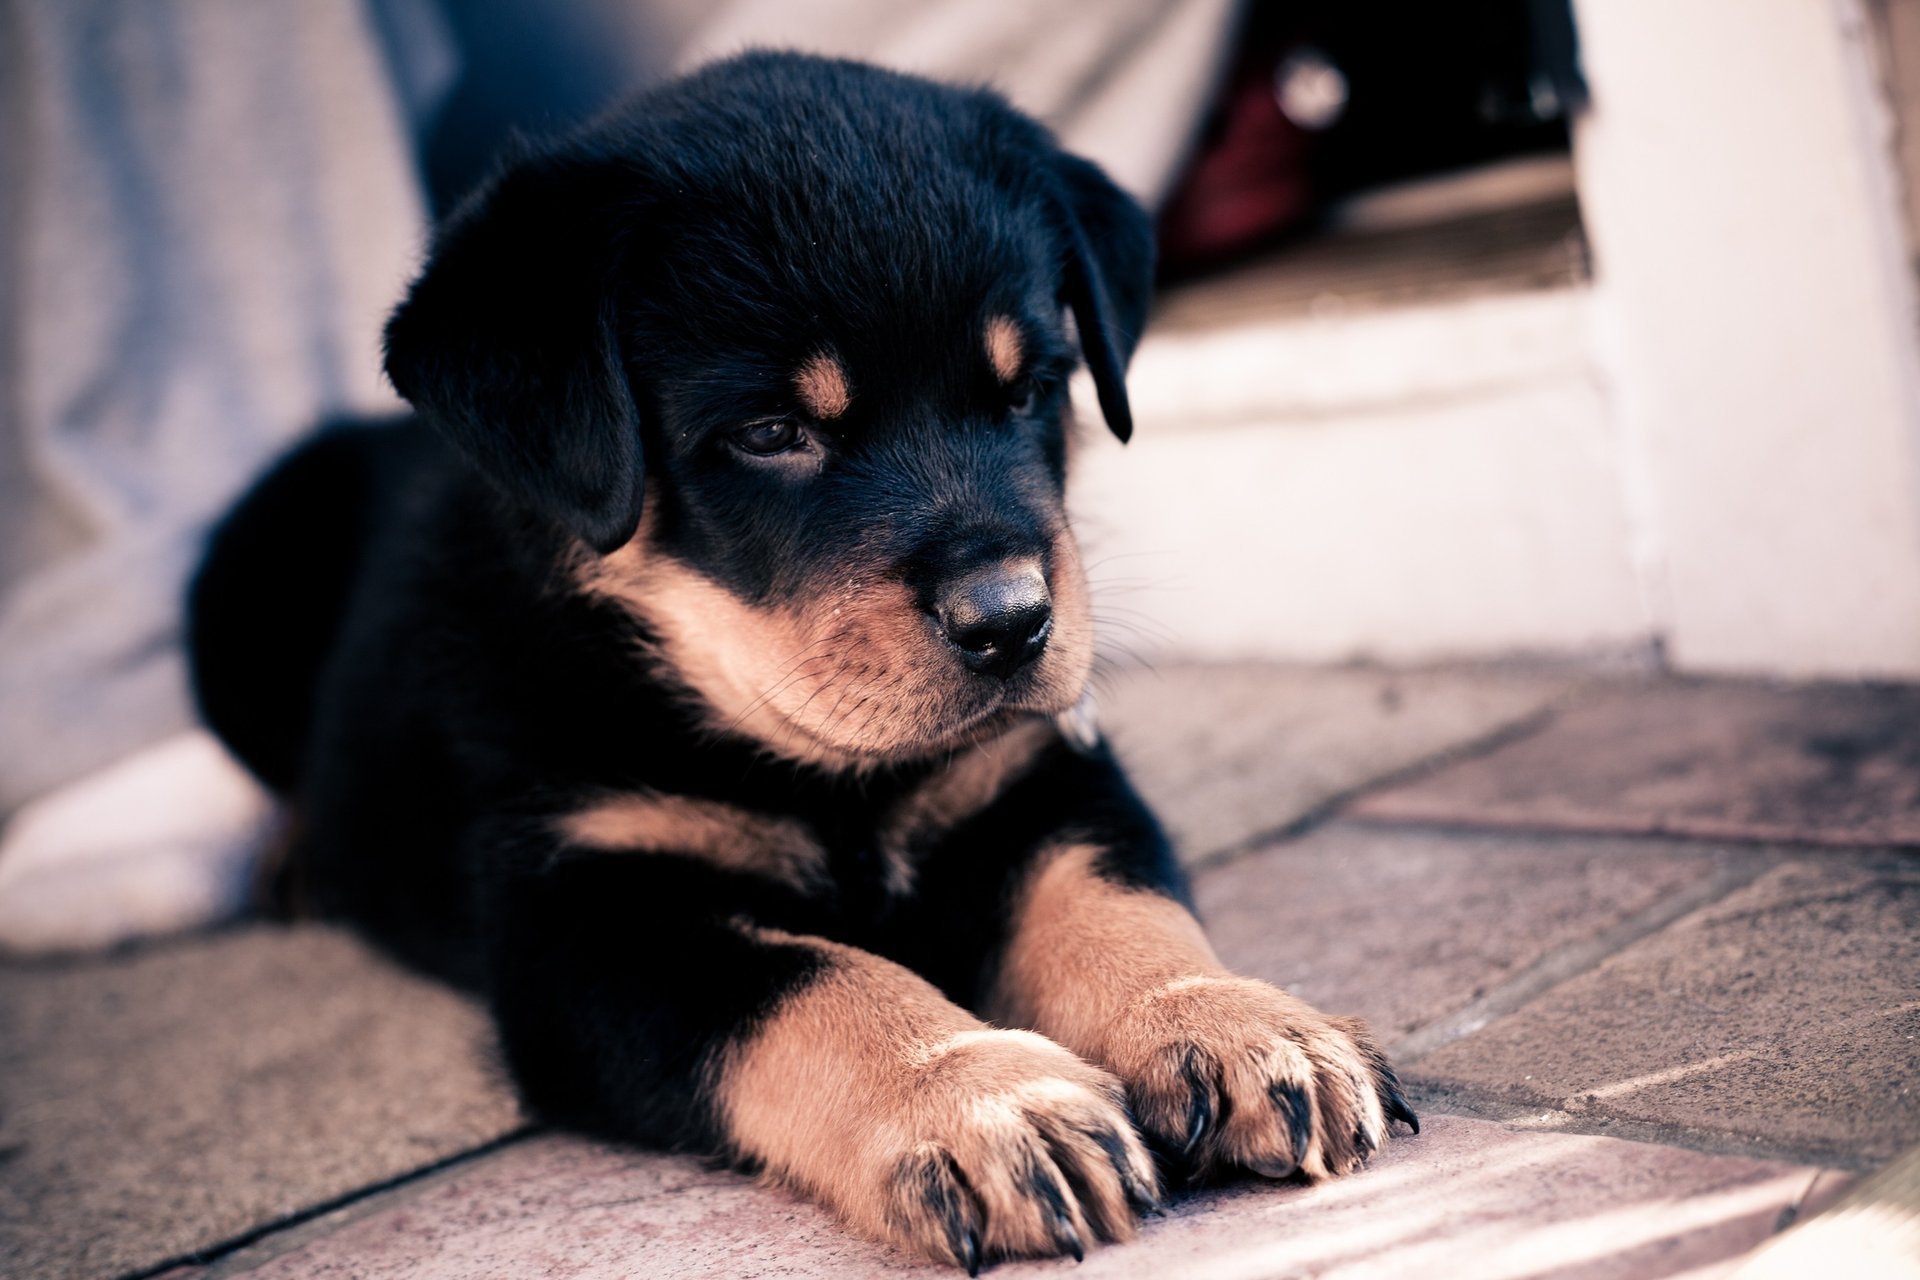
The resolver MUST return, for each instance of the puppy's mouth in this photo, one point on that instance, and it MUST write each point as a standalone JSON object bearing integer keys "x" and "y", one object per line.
{"x": 817, "y": 748}
{"x": 950, "y": 709}
{"x": 859, "y": 675}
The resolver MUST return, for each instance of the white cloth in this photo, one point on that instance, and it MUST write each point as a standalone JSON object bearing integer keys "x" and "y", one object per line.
{"x": 206, "y": 209}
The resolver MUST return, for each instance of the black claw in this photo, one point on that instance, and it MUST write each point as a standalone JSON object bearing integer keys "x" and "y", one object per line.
{"x": 1395, "y": 1101}
{"x": 1397, "y": 1109}
{"x": 1292, "y": 1101}
{"x": 1199, "y": 1107}
{"x": 1140, "y": 1195}
{"x": 1067, "y": 1237}
{"x": 943, "y": 1191}
{"x": 1064, "y": 1235}
{"x": 1364, "y": 1142}
{"x": 1199, "y": 1111}
{"x": 1139, "y": 1198}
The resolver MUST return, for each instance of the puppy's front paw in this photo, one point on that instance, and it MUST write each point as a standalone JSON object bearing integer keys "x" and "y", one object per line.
{"x": 1014, "y": 1147}
{"x": 1234, "y": 1072}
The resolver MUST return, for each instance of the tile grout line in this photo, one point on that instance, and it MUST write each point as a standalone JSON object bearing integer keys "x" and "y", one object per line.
{"x": 1575, "y": 958}
{"x": 261, "y": 1244}
{"x": 1791, "y": 1214}
{"x": 1466, "y": 1102}
{"x": 1328, "y": 809}
{"x": 1813, "y": 842}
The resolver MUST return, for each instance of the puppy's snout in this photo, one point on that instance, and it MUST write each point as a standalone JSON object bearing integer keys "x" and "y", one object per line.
{"x": 998, "y": 616}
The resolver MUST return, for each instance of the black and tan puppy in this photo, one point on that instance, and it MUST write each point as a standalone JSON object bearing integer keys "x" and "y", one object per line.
{"x": 688, "y": 678}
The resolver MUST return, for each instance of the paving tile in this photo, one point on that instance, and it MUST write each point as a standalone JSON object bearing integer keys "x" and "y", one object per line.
{"x": 1467, "y": 1197}
{"x": 1788, "y": 1012}
{"x": 175, "y": 1097}
{"x": 1226, "y": 752}
{"x": 1405, "y": 927}
{"x": 1823, "y": 764}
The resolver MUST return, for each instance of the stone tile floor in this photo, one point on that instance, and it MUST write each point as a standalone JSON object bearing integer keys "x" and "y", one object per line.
{"x": 1648, "y": 952}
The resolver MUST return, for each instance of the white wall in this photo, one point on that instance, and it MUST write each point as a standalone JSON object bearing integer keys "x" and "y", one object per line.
{"x": 1419, "y": 483}
{"x": 1757, "y": 328}
{"x": 1716, "y": 445}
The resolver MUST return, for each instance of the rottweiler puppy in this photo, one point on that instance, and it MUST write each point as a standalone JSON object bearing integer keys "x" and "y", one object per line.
{"x": 693, "y": 675}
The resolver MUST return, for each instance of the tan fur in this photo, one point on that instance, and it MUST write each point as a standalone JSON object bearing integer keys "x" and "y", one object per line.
{"x": 973, "y": 780}
{"x": 848, "y": 675}
{"x": 823, "y": 388}
{"x": 1005, "y": 351}
{"x": 1126, "y": 978}
{"x": 1068, "y": 658}
{"x": 917, "y": 1122}
{"x": 722, "y": 834}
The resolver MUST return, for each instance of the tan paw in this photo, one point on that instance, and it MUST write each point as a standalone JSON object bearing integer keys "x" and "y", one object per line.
{"x": 1014, "y": 1148}
{"x": 1233, "y": 1072}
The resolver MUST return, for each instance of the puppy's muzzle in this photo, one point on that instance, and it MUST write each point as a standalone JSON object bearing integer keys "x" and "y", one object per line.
{"x": 998, "y": 616}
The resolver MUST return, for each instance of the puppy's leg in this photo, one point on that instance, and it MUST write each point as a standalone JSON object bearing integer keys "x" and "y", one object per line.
{"x": 923, "y": 1125}
{"x": 1103, "y": 957}
{"x": 837, "y": 1071}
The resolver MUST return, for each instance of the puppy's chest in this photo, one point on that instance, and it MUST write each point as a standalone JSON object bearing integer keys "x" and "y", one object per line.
{"x": 854, "y": 855}
{"x": 845, "y": 856}
{"x": 864, "y": 878}
{"x": 867, "y": 854}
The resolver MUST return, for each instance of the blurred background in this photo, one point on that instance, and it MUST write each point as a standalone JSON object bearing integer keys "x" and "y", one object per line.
{"x": 1577, "y": 330}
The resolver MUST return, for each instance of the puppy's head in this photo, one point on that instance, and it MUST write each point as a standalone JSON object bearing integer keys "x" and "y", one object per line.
{"x": 784, "y": 349}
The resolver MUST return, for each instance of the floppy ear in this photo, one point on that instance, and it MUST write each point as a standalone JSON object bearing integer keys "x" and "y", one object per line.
{"x": 507, "y": 344}
{"x": 1109, "y": 278}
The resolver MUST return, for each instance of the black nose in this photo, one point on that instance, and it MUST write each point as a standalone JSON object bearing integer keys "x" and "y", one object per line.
{"x": 998, "y": 616}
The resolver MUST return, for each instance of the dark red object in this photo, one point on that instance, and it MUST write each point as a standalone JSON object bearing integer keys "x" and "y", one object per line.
{"x": 1250, "y": 182}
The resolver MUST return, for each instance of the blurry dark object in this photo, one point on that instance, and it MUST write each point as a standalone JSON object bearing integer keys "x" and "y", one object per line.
{"x": 526, "y": 67}
{"x": 1249, "y": 182}
{"x": 1324, "y": 100}
{"x": 473, "y": 75}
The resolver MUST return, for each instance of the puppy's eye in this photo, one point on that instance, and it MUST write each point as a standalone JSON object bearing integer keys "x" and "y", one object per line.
{"x": 764, "y": 439}
{"x": 1024, "y": 396}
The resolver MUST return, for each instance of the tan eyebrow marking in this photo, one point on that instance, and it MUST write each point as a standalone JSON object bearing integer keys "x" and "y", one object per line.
{"x": 1004, "y": 349}
{"x": 823, "y": 388}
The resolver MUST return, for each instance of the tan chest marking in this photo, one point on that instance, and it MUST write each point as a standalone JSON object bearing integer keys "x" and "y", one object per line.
{"x": 646, "y": 822}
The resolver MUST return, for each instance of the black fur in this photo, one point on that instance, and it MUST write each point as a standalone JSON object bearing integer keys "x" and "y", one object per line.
{"x": 384, "y": 630}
